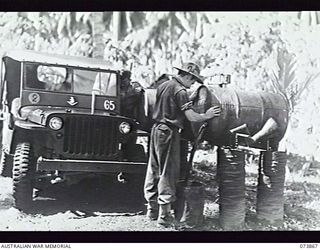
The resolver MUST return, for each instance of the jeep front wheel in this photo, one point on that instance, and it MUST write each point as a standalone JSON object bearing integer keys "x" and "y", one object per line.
{"x": 23, "y": 170}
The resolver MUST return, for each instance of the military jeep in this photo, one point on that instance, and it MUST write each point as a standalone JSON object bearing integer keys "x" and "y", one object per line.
{"x": 62, "y": 116}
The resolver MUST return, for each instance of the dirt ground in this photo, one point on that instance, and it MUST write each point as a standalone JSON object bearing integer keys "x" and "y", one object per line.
{"x": 103, "y": 204}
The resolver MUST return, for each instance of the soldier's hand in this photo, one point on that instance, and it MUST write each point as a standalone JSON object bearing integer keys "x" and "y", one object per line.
{"x": 213, "y": 112}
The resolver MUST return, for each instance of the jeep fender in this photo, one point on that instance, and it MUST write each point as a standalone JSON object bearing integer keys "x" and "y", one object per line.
{"x": 25, "y": 131}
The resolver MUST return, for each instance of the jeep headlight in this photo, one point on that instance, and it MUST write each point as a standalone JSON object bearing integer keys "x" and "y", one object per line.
{"x": 124, "y": 127}
{"x": 55, "y": 123}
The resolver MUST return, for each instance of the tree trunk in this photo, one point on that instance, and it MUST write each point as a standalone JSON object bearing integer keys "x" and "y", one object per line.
{"x": 128, "y": 21}
{"x": 98, "y": 28}
{"x": 116, "y": 24}
{"x": 171, "y": 39}
{"x": 309, "y": 17}
{"x": 198, "y": 31}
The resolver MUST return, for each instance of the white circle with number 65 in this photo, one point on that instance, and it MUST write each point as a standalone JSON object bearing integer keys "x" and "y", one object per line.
{"x": 109, "y": 105}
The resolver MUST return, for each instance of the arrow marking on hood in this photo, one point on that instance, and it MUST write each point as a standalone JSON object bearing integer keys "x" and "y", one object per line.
{"x": 72, "y": 101}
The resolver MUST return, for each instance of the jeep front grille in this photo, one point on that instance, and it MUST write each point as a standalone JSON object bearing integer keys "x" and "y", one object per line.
{"x": 91, "y": 137}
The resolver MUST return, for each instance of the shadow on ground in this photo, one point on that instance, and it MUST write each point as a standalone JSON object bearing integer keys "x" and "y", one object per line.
{"x": 91, "y": 197}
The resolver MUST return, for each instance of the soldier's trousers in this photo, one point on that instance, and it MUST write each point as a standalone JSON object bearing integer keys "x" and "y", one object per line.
{"x": 163, "y": 165}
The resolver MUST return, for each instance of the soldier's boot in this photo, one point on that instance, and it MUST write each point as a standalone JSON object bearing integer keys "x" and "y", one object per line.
{"x": 152, "y": 210}
{"x": 165, "y": 218}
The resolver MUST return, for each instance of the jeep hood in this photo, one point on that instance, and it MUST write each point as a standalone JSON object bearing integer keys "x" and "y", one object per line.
{"x": 40, "y": 114}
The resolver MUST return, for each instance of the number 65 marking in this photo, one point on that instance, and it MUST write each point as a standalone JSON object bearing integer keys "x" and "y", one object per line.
{"x": 109, "y": 105}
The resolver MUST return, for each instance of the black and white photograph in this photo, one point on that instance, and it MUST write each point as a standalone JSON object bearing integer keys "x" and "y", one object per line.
{"x": 152, "y": 121}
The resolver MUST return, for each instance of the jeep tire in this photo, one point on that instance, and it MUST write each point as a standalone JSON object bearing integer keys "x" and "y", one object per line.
{"x": 23, "y": 170}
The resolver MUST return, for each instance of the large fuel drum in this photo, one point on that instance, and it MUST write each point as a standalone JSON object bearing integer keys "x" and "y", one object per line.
{"x": 237, "y": 108}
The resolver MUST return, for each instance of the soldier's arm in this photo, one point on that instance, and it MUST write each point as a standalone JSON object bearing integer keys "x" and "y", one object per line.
{"x": 185, "y": 106}
{"x": 193, "y": 116}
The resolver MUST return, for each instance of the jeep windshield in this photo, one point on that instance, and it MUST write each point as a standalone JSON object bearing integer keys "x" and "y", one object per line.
{"x": 70, "y": 80}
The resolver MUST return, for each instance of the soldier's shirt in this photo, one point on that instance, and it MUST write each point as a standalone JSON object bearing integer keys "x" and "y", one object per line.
{"x": 171, "y": 101}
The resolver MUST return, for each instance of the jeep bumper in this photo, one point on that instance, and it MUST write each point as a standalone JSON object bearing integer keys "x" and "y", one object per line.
{"x": 44, "y": 164}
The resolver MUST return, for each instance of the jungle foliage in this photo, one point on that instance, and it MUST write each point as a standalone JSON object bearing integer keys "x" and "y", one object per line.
{"x": 267, "y": 51}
